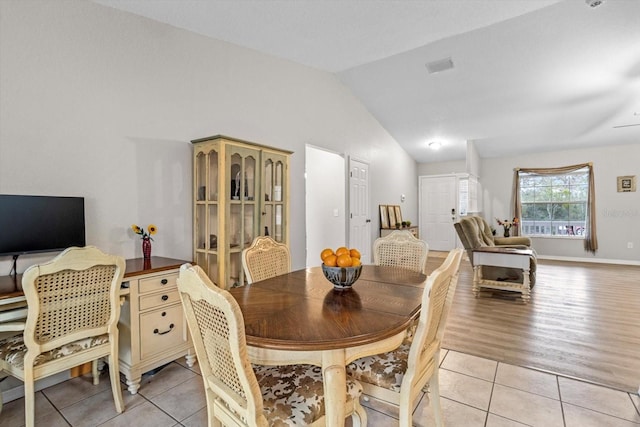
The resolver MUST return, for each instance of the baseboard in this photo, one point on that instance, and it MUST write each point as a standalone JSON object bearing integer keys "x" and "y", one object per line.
{"x": 15, "y": 388}
{"x": 591, "y": 260}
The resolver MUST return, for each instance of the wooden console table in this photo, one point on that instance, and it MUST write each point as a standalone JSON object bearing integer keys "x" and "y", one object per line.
{"x": 502, "y": 257}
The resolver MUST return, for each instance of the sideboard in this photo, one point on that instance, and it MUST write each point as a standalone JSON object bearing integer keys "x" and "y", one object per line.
{"x": 153, "y": 329}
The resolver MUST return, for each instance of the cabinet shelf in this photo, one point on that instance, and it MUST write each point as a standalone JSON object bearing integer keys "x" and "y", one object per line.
{"x": 232, "y": 180}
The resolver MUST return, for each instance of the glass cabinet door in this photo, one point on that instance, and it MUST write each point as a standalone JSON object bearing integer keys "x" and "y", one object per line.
{"x": 242, "y": 219}
{"x": 206, "y": 210}
{"x": 274, "y": 189}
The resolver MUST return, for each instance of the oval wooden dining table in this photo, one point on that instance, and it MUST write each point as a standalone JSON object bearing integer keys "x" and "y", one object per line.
{"x": 299, "y": 318}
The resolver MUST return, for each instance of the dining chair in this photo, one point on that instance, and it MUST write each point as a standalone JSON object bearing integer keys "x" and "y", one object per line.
{"x": 73, "y": 310}
{"x": 400, "y": 248}
{"x": 265, "y": 258}
{"x": 399, "y": 376}
{"x": 237, "y": 393}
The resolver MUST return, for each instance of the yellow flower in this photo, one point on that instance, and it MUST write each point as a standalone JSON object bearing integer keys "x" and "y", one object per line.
{"x": 138, "y": 230}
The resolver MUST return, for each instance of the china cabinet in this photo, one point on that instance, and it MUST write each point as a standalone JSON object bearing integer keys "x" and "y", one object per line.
{"x": 240, "y": 191}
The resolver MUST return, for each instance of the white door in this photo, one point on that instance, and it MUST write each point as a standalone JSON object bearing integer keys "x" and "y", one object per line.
{"x": 438, "y": 211}
{"x": 359, "y": 218}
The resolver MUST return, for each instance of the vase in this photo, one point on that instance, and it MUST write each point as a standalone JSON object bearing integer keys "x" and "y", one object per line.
{"x": 146, "y": 249}
{"x": 506, "y": 232}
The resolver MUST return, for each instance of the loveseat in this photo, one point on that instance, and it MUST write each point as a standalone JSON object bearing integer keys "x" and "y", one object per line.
{"x": 474, "y": 232}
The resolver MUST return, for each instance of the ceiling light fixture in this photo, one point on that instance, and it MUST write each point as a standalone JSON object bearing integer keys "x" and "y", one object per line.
{"x": 435, "y": 145}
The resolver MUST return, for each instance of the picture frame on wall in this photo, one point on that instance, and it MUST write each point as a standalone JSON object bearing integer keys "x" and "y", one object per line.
{"x": 392, "y": 217}
{"x": 384, "y": 218}
{"x": 626, "y": 184}
{"x": 398, "y": 214}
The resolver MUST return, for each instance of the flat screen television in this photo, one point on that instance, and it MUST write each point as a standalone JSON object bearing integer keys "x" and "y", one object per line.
{"x": 31, "y": 224}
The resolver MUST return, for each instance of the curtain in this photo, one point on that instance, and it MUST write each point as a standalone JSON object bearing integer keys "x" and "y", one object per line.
{"x": 591, "y": 240}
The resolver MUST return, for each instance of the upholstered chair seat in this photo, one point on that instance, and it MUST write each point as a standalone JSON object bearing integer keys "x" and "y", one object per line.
{"x": 294, "y": 395}
{"x": 13, "y": 350}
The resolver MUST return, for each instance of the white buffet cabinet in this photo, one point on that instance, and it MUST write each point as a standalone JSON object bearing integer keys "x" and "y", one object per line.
{"x": 153, "y": 329}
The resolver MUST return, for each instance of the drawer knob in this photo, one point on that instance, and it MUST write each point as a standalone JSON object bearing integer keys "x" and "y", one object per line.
{"x": 165, "y": 297}
{"x": 164, "y": 281}
{"x": 156, "y": 331}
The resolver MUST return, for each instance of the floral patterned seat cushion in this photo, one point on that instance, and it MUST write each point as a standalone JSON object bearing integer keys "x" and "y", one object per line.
{"x": 294, "y": 395}
{"x": 384, "y": 370}
{"x": 13, "y": 350}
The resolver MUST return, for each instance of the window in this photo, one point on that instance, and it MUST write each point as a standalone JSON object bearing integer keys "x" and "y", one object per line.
{"x": 554, "y": 205}
{"x": 557, "y": 201}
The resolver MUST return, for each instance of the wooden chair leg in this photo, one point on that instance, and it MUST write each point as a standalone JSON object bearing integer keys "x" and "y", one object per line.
{"x": 94, "y": 372}
{"x": 114, "y": 375}
{"x": 434, "y": 398}
{"x": 29, "y": 402}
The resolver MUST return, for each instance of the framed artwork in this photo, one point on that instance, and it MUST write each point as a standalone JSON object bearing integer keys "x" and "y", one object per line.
{"x": 384, "y": 218}
{"x": 398, "y": 214}
{"x": 626, "y": 184}
{"x": 392, "y": 217}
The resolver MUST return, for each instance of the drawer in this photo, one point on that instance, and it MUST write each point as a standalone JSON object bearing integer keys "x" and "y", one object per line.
{"x": 159, "y": 299}
{"x": 157, "y": 283}
{"x": 161, "y": 330}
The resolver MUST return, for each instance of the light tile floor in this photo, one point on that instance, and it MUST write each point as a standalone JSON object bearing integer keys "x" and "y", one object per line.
{"x": 475, "y": 392}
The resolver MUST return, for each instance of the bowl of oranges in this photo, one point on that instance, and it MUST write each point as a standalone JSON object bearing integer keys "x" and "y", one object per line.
{"x": 342, "y": 267}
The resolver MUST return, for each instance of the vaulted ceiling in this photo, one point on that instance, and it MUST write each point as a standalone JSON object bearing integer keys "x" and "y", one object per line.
{"x": 526, "y": 76}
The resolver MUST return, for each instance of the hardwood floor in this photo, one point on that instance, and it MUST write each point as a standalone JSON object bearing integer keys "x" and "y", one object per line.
{"x": 583, "y": 321}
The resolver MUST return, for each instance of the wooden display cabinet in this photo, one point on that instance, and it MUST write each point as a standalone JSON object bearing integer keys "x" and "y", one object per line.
{"x": 240, "y": 191}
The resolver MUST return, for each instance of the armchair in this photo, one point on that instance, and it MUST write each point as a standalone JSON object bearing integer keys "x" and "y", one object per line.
{"x": 474, "y": 232}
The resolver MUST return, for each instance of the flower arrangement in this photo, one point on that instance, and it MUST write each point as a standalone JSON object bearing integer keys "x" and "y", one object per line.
{"x": 506, "y": 224}
{"x": 146, "y": 235}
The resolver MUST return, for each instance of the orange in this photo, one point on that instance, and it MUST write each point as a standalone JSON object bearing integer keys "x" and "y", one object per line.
{"x": 325, "y": 253}
{"x": 342, "y": 250}
{"x": 344, "y": 260}
{"x": 355, "y": 262}
{"x": 354, "y": 253}
{"x": 330, "y": 261}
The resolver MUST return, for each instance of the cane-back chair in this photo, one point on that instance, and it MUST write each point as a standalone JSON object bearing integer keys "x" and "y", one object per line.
{"x": 73, "y": 310}
{"x": 400, "y": 248}
{"x": 400, "y": 375}
{"x": 237, "y": 393}
{"x": 265, "y": 258}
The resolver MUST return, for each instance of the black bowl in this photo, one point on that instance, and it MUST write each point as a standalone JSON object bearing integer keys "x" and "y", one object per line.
{"x": 342, "y": 277}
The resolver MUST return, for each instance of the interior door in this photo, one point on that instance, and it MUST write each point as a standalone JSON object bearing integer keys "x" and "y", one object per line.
{"x": 359, "y": 218}
{"x": 438, "y": 211}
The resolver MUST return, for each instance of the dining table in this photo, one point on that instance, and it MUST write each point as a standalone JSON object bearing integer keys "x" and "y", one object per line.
{"x": 300, "y": 318}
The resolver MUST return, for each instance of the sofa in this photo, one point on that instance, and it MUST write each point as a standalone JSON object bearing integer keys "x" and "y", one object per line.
{"x": 474, "y": 232}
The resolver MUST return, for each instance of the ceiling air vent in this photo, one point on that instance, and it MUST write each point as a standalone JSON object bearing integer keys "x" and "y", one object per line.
{"x": 439, "y": 65}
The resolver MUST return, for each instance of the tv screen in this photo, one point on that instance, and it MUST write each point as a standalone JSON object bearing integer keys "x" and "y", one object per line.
{"x": 31, "y": 224}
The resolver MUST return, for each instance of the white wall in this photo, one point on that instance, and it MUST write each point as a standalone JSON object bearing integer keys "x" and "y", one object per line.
{"x": 442, "y": 168}
{"x": 99, "y": 103}
{"x": 325, "y": 192}
{"x": 617, "y": 215}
